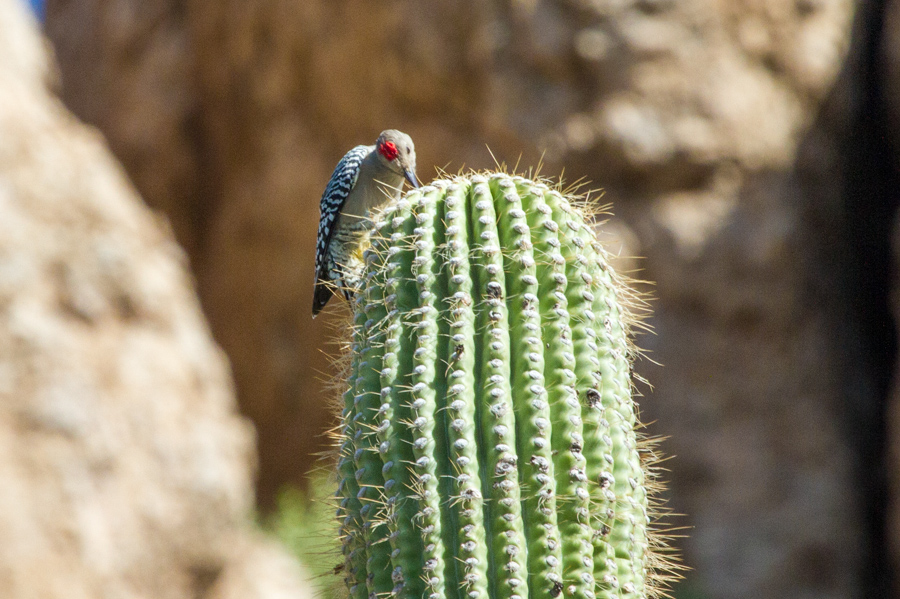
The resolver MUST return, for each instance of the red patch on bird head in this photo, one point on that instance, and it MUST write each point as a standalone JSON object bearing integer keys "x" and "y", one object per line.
{"x": 389, "y": 150}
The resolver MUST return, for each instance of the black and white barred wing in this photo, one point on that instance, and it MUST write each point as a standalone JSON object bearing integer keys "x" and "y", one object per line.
{"x": 339, "y": 187}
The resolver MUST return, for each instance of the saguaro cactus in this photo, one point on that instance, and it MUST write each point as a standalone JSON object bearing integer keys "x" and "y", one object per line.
{"x": 488, "y": 443}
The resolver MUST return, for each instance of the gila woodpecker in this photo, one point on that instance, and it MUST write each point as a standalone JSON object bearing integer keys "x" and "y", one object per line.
{"x": 366, "y": 178}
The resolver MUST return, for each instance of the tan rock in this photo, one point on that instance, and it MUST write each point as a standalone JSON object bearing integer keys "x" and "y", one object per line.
{"x": 126, "y": 471}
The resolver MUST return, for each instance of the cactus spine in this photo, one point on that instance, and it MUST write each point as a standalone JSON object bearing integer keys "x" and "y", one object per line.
{"x": 488, "y": 444}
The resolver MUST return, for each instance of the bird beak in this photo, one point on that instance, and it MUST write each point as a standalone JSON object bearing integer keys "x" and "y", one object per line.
{"x": 411, "y": 177}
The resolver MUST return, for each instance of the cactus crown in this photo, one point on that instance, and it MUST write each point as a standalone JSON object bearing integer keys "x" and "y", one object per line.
{"x": 488, "y": 444}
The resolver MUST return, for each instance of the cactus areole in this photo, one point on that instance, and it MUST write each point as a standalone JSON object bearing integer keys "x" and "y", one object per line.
{"x": 487, "y": 445}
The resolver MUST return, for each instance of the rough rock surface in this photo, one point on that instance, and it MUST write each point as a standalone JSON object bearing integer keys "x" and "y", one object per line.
{"x": 126, "y": 470}
{"x": 710, "y": 124}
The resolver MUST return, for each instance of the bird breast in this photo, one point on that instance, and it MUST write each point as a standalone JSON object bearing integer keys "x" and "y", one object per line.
{"x": 376, "y": 186}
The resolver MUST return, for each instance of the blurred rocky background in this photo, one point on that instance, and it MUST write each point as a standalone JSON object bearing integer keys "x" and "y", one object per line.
{"x": 126, "y": 470}
{"x": 751, "y": 149}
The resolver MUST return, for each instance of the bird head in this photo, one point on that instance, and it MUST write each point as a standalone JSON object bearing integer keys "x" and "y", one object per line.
{"x": 397, "y": 151}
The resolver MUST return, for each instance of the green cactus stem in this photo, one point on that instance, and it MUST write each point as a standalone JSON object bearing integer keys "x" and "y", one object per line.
{"x": 488, "y": 445}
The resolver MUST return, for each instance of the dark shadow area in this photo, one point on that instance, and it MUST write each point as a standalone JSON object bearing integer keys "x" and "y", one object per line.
{"x": 871, "y": 197}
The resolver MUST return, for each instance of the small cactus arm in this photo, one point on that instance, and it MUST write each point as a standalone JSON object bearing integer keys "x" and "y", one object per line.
{"x": 489, "y": 444}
